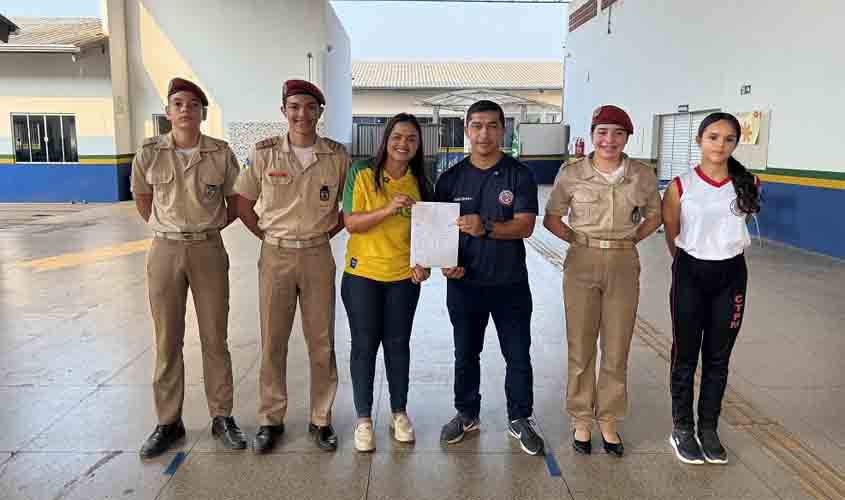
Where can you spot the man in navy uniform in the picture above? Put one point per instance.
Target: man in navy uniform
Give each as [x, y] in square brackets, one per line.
[498, 197]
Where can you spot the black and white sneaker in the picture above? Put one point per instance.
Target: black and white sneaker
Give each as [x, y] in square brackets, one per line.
[711, 446]
[686, 447]
[454, 431]
[525, 431]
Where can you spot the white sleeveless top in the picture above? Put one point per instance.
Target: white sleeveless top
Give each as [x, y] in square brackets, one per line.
[710, 228]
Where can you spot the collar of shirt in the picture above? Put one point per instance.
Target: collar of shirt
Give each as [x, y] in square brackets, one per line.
[588, 170]
[205, 144]
[320, 146]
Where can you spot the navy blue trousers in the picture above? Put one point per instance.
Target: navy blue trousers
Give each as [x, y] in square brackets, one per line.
[470, 307]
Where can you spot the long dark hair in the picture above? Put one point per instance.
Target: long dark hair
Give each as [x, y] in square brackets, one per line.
[748, 197]
[417, 163]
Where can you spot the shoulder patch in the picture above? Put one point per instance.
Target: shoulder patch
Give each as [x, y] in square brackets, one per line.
[150, 141]
[266, 143]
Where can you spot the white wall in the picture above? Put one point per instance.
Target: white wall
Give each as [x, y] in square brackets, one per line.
[240, 53]
[55, 75]
[337, 68]
[54, 83]
[663, 54]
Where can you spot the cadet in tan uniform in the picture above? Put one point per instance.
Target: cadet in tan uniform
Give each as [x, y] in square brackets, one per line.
[296, 181]
[183, 184]
[612, 203]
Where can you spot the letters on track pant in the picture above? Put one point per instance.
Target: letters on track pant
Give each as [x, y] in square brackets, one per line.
[707, 301]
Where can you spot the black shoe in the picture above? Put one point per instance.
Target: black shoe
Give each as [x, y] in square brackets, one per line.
[524, 430]
[454, 431]
[686, 447]
[162, 438]
[266, 437]
[711, 446]
[615, 449]
[582, 447]
[324, 436]
[226, 430]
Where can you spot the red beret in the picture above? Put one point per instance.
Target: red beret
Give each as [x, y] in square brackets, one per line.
[297, 87]
[182, 85]
[612, 115]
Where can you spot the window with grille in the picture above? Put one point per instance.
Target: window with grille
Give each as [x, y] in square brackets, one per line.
[678, 149]
[161, 124]
[45, 138]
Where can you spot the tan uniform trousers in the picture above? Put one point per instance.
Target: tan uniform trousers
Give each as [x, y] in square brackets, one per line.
[601, 289]
[172, 267]
[285, 274]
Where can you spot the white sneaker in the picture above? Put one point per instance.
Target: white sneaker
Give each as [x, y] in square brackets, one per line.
[403, 429]
[365, 439]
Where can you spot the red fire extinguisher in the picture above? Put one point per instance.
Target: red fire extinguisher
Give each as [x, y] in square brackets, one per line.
[579, 147]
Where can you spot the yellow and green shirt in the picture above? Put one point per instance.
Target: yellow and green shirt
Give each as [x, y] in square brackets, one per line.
[384, 252]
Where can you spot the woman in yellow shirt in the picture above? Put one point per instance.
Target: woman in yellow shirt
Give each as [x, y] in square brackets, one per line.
[380, 289]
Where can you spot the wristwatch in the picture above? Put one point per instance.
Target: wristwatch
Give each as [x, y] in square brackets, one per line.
[489, 227]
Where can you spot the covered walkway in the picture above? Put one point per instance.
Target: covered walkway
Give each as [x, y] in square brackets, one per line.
[76, 365]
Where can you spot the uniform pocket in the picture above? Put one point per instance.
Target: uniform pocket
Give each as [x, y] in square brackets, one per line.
[584, 203]
[161, 180]
[211, 183]
[329, 185]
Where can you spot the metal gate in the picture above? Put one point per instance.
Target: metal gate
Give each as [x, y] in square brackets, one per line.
[367, 138]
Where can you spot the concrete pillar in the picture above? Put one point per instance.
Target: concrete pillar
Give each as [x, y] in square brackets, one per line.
[114, 25]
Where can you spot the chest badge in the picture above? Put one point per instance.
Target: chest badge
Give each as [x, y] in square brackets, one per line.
[636, 215]
[211, 191]
[324, 193]
[506, 198]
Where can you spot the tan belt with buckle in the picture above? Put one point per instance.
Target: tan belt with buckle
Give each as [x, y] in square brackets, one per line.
[187, 236]
[297, 244]
[603, 244]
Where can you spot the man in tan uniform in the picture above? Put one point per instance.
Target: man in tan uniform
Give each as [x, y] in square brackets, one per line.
[183, 184]
[612, 203]
[297, 181]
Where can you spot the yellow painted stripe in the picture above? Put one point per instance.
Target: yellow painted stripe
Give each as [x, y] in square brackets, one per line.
[105, 161]
[83, 161]
[803, 181]
[89, 257]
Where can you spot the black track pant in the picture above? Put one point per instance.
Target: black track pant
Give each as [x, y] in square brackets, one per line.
[707, 301]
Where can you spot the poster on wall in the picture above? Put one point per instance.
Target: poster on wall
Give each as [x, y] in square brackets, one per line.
[750, 126]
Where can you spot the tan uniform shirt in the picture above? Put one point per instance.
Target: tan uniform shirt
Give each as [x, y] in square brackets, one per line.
[187, 196]
[600, 209]
[295, 201]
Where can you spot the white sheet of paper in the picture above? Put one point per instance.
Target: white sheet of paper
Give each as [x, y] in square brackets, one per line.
[434, 234]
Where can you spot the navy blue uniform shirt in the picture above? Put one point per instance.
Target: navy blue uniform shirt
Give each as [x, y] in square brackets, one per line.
[495, 194]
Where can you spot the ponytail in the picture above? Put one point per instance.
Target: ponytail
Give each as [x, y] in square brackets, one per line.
[745, 186]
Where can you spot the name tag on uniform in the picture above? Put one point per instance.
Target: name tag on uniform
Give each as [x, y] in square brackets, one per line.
[279, 176]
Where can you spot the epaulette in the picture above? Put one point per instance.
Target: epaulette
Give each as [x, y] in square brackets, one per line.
[219, 142]
[150, 141]
[266, 143]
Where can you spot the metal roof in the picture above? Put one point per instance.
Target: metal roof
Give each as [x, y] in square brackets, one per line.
[514, 75]
[54, 34]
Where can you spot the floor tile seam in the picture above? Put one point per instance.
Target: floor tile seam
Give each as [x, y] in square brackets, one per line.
[125, 366]
[808, 477]
[58, 418]
[754, 470]
[660, 343]
[245, 374]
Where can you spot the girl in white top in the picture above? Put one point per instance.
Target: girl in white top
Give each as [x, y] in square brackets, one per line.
[704, 215]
